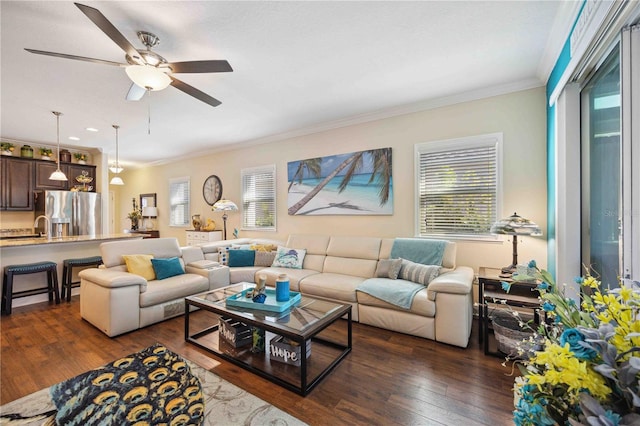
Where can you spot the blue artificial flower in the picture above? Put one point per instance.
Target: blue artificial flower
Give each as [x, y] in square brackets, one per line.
[548, 306]
[532, 264]
[579, 280]
[573, 338]
[506, 286]
[543, 286]
[614, 418]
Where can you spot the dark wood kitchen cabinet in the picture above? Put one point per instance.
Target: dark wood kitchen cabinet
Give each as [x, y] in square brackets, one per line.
[16, 189]
[43, 170]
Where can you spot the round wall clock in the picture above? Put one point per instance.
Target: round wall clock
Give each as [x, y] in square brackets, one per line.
[212, 189]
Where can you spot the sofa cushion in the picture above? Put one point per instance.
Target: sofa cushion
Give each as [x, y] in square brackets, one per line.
[421, 304]
[178, 286]
[140, 264]
[295, 275]
[331, 286]
[243, 274]
[388, 268]
[418, 273]
[112, 251]
[241, 257]
[289, 258]
[165, 268]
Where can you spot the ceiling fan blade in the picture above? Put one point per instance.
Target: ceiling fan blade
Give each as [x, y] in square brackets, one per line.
[201, 66]
[135, 92]
[107, 27]
[77, 58]
[190, 90]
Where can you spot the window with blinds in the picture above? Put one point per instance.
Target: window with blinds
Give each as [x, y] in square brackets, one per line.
[458, 186]
[259, 198]
[179, 201]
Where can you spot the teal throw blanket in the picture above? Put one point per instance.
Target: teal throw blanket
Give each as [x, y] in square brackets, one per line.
[396, 292]
[419, 250]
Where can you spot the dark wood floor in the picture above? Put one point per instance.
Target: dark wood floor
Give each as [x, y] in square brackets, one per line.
[388, 379]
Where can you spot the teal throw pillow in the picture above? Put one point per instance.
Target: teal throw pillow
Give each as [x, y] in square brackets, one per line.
[241, 257]
[165, 268]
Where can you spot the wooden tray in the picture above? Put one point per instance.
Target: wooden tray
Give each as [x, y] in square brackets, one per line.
[270, 304]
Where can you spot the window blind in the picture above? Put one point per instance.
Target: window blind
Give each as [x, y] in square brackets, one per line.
[458, 189]
[179, 201]
[259, 198]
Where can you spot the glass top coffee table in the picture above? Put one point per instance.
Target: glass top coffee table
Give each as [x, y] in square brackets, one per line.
[280, 345]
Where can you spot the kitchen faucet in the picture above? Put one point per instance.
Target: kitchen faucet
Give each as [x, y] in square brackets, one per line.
[47, 223]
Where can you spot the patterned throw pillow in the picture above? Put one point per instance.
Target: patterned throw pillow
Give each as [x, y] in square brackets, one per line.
[388, 268]
[140, 264]
[264, 258]
[263, 247]
[289, 258]
[223, 255]
[418, 273]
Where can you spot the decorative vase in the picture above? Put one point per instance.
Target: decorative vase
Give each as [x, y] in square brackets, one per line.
[26, 151]
[46, 157]
[134, 224]
[65, 156]
[82, 162]
[196, 222]
[7, 152]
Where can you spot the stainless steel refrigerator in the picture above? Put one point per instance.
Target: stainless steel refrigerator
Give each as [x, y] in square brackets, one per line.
[70, 213]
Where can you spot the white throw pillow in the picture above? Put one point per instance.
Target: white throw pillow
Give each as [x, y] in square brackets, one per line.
[289, 258]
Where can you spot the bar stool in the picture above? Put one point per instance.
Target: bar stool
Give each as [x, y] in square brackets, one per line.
[67, 272]
[29, 268]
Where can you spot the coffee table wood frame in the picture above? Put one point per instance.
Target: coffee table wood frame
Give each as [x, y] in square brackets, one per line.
[301, 337]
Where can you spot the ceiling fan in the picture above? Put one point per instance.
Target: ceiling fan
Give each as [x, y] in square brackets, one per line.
[147, 70]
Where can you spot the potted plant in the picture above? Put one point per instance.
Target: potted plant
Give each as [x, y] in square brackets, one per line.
[6, 148]
[46, 153]
[80, 158]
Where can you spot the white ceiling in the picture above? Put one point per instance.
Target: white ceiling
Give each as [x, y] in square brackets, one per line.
[298, 66]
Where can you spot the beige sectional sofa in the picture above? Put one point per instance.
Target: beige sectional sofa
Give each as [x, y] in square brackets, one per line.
[116, 301]
[335, 266]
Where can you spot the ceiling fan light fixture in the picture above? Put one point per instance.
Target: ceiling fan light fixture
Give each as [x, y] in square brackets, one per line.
[148, 76]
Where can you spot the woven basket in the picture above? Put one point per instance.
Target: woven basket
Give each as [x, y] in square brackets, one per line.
[510, 336]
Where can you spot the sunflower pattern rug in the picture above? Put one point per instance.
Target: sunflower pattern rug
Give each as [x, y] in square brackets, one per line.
[150, 387]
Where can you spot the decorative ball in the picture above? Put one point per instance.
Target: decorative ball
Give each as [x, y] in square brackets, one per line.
[260, 298]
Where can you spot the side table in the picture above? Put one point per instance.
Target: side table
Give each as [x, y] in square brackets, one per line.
[490, 292]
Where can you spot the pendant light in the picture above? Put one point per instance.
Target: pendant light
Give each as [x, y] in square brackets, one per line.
[58, 175]
[117, 180]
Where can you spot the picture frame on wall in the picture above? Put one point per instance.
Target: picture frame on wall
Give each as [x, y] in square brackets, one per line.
[355, 183]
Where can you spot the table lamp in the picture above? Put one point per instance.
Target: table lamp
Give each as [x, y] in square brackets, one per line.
[225, 206]
[515, 225]
[148, 213]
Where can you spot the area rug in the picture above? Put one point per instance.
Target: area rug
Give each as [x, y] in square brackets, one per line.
[224, 404]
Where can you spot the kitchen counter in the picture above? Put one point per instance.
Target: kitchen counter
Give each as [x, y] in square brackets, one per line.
[27, 241]
[16, 251]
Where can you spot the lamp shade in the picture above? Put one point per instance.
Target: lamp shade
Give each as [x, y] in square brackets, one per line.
[515, 225]
[116, 180]
[149, 211]
[58, 175]
[148, 77]
[226, 205]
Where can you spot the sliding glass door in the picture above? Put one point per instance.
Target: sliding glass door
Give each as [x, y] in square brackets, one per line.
[601, 172]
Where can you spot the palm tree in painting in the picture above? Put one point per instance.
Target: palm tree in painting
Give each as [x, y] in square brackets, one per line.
[312, 166]
[381, 173]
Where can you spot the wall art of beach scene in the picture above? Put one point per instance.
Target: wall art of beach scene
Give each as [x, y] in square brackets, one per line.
[357, 183]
